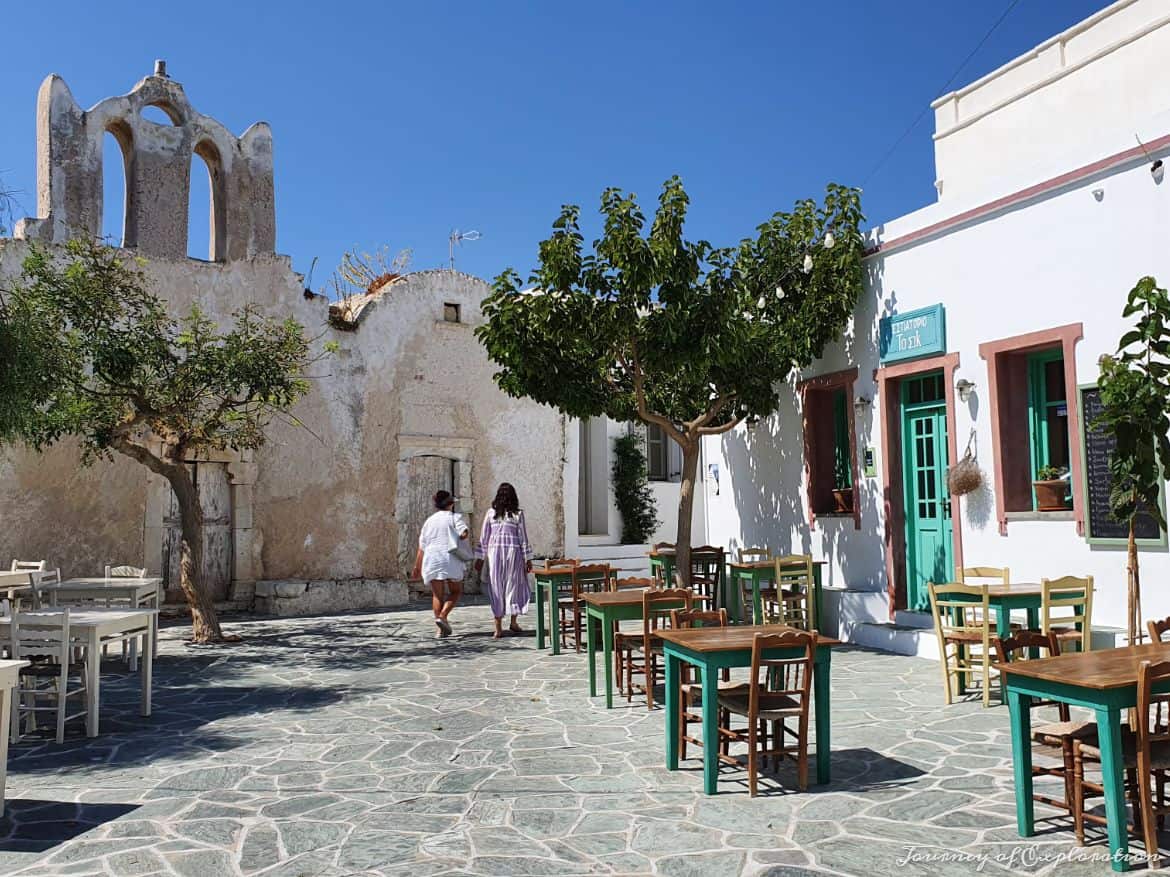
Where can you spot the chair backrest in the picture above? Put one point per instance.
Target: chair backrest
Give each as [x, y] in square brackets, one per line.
[1151, 727]
[1157, 628]
[960, 610]
[997, 575]
[706, 570]
[125, 572]
[591, 579]
[791, 677]
[794, 574]
[680, 619]
[754, 555]
[1068, 600]
[1019, 646]
[20, 565]
[662, 546]
[629, 584]
[40, 633]
[657, 605]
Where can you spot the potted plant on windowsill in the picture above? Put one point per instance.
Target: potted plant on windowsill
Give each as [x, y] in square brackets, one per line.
[1051, 488]
[843, 500]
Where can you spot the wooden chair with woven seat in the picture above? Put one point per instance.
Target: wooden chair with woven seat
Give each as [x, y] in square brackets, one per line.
[633, 583]
[707, 575]
[592, 578]
[1066, 603]
[991, 575]
[962, 624]
[640, 654]
[46, 634]
[1052, 739]
[778, 689]
[1157, 628]
[1145, 754]
[794, 579]
[690, 688]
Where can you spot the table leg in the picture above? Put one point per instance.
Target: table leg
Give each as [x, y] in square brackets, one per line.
[1019, 708]
[607, 645]
[93, 680]
[6, 696]
[147, 668]
[539, 614]
[710, 726]
[1003, 622]
[818, 593]
[1109, 739]
[823, 713]
[671, 672]
[154, 622]
[757, 600]
[591, 653]
[132, 660]
[554, 619]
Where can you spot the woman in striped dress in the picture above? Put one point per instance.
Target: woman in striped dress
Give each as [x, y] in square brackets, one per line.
[504, 542]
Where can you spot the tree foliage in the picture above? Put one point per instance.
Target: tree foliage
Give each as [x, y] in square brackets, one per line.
[631, 490]
[88, 350]
[648, 325]
[1135, 398]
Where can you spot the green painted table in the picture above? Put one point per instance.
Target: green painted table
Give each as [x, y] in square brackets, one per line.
[603, 611]
[710, 649]
[760, 571]
[547, 578]
[1105, 682]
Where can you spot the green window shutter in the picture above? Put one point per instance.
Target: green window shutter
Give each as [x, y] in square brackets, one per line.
[842, 464]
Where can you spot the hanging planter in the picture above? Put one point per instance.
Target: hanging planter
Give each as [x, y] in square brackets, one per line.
[965, 476]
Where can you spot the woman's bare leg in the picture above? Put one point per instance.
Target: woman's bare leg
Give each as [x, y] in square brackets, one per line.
[454, 592]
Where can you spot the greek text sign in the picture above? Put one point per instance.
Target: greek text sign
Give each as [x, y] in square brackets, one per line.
[913, 334]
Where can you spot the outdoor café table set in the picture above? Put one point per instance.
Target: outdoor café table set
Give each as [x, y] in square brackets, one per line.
[708, 650]
[96, 623]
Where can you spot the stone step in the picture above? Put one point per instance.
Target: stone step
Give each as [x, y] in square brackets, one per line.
[632, 560]
[909, 618]
[852, 606]
[903, 639]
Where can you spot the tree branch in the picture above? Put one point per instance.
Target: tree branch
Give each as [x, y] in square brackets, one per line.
[649, 416]
[722, 428]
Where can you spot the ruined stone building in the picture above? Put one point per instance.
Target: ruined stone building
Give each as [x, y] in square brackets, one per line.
[322, 517]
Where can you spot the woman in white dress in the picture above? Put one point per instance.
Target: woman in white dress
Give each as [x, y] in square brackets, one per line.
[436, 564]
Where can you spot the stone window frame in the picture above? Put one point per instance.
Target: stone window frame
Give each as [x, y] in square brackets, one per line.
[1004, 434]
[845, 379]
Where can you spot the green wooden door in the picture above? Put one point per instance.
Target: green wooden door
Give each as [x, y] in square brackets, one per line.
[928, 509]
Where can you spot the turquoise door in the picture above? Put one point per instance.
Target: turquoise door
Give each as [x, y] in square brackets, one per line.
[929, 530]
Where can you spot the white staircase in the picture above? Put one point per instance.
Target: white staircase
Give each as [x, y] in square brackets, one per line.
[632, 560]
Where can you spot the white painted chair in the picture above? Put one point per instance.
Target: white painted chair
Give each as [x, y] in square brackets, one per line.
[22, 565]
[129, 653]
[46, 634]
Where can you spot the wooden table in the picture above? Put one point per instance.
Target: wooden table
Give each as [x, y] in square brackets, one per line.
[547, 578]
[1105, 682]
[759, 571]
[146, 591]
[9, 671]
[710, 649]
[102, 627]
[606, 609]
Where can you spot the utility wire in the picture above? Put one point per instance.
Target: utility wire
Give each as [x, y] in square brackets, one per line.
[897, 143]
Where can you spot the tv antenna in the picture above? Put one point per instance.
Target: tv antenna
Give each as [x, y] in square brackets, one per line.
[456, 238]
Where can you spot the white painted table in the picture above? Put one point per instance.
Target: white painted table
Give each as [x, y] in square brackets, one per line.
[134, 592]
[100, 627]
[13, 584]
[9, 670]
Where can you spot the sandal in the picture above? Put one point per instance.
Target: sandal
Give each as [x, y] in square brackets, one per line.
[444, 625]
[516, 629]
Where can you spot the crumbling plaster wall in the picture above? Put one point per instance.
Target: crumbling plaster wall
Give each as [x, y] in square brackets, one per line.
[325, 493]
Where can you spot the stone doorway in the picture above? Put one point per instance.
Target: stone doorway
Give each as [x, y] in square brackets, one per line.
[215, 498]
[427, 464]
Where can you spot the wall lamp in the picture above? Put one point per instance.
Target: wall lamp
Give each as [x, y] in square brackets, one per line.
[964, 388]
[861, 403]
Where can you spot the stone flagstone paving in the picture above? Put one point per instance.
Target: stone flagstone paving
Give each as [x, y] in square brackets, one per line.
[359, 744]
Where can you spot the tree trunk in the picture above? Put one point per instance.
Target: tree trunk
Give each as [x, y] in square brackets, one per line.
[1135, 589]
[686, 502]
[204, 623]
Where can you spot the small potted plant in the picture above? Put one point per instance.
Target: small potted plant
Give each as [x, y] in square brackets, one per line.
[1051, 488]
[842, 485]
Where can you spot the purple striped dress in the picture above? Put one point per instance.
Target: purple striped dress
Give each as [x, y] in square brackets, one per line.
[504, 542]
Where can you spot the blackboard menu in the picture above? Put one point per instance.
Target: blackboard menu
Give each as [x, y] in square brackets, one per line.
[1098, 445]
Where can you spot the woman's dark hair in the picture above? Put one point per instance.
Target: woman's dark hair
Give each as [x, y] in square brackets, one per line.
[443, 500]
[506, 501]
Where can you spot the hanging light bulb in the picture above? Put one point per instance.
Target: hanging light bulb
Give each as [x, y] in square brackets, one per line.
[761, 303]
[830, 241]
[808, 263]
[779, 291]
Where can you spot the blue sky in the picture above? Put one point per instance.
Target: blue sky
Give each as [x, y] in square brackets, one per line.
[394, 123]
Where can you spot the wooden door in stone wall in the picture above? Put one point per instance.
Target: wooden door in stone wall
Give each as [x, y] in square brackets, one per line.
[215, 499]
[425, 475]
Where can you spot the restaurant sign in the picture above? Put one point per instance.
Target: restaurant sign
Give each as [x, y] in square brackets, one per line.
[913, 334]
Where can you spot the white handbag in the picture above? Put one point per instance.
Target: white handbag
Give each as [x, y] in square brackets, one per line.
[456, 546]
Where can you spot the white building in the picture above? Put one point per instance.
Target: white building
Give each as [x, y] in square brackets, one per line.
[1051, 204]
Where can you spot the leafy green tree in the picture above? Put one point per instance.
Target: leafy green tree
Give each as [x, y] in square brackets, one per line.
[693, 338]
[631, 490]
[1135, 397]
[87, 350]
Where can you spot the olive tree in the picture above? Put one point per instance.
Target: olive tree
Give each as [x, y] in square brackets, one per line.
[87, 350]
[680, 334]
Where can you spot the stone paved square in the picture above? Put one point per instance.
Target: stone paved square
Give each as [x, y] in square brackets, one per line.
[359, 744]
